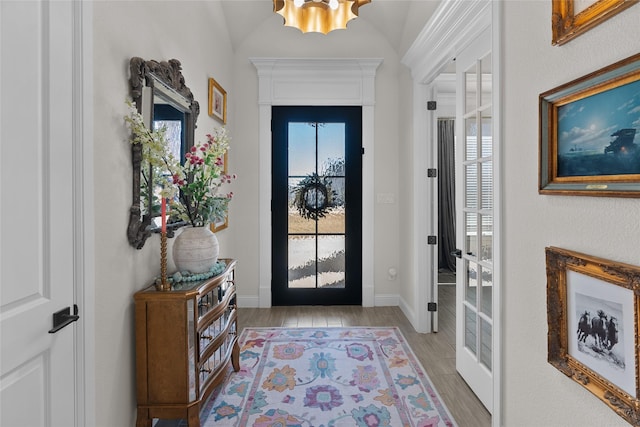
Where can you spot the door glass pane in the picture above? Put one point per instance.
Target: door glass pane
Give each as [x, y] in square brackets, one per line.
[486, 185]
[470, 86]
[471, 291]
[487, 292]
[471, 181]
[331, 261]
[486, 243]
[297, 223]
[302, 149]
[485, 68]
[471, 242]
[471, 132]
[485, 343]
[485, 134]
[334, 220]
[470, 329]
[302, 261]
[331, 149]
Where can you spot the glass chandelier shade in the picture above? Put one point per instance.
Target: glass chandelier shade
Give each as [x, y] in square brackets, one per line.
[319, 16]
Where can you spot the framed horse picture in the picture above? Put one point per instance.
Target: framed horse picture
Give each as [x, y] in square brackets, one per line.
[593, 306]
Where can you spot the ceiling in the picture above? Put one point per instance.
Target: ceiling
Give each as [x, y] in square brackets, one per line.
[399, 21]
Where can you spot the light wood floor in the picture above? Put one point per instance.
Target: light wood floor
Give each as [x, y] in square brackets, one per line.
[435, 351]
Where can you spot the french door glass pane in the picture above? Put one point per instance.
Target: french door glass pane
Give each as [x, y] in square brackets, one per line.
[485, 343]
[471, 179]
[471, 237]
[471, 132]
[470, 330]
[487, 291]
[486, 242]
[485, 137]
[486, 184]
[485, 69]
[470, 89]
[471, 289]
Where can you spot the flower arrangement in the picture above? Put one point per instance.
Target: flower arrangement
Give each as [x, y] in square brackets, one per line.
[192, 187]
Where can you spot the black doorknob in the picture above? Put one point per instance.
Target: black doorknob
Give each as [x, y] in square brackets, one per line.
[457, 253]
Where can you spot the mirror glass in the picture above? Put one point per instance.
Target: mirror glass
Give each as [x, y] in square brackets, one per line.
[162, 98]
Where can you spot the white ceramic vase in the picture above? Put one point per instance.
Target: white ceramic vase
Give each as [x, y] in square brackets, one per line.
[196, 250]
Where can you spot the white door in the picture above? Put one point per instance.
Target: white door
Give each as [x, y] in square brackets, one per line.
[474, 218]
[37, 378]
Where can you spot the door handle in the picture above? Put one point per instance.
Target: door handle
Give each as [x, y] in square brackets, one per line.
[63, 318]
[457, 253]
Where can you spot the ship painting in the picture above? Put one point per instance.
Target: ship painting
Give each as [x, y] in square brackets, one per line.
[620, 157]
[623, 142]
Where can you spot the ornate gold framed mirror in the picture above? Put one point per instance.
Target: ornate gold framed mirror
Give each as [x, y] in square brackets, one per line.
[162, 98]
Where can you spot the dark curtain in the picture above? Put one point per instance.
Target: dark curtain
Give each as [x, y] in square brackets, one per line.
[446, 195]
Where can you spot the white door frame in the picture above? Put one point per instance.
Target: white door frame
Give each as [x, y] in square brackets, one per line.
[453, 26]
[316, 81]
[83, 189]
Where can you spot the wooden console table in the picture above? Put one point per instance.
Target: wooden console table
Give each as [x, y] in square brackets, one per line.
[185, 339]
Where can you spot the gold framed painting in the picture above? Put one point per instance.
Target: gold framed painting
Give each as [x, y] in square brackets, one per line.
[589, 139]
[570, 18]
[217, 101]
[593, 307]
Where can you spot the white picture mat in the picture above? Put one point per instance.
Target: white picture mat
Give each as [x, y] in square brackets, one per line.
[581, 288]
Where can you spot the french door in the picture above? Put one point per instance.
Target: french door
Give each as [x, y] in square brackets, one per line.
[316, 205]
[474, 218]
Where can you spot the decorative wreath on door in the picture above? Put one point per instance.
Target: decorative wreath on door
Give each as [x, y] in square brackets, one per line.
[313, 197]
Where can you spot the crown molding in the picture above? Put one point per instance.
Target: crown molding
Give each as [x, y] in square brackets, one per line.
[454, 24]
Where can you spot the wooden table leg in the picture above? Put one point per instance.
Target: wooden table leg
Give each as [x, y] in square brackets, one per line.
[193, 416]
[235, 356]
[143, 419]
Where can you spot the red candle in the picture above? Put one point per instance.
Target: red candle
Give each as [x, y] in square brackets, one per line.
[164, 215]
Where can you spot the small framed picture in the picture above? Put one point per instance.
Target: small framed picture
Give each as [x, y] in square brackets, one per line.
[217, 101]
[589, 134]
[592, 311]
[220, 225]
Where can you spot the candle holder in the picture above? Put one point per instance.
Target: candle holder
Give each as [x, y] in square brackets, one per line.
[163, 284]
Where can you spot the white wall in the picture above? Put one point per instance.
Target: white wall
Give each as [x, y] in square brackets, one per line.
[535, 393]
[194, 33]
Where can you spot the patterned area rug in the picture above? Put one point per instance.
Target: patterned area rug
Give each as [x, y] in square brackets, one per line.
[324, 377]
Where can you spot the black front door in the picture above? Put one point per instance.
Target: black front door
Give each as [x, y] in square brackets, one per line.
[317, 205]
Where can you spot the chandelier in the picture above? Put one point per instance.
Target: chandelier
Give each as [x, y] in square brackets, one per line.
[319, 16]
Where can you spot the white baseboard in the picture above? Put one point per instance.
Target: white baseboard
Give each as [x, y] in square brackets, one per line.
[386, 300]
[408, 312]
[248, 301]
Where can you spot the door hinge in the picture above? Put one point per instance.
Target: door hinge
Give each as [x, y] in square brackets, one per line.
[432, 306]
[431, 105]
[432, 173]
[432, 240]
[362, 151]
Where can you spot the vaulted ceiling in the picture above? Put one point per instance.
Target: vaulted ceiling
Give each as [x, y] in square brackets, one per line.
[400, 21]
